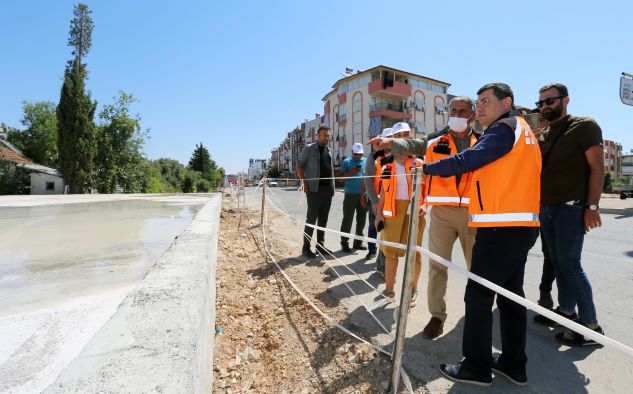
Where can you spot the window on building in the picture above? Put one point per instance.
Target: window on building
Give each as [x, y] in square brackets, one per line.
[50, 186]
[356, 106]
[438, 88]
[357, 131]
[358, 83]
[417, 83]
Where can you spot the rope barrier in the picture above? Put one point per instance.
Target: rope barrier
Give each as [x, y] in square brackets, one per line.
[403, 374]
[367, 308]
[336, 177]
[602, 339]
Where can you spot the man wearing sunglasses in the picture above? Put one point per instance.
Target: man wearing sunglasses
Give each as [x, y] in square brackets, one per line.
[572, 177]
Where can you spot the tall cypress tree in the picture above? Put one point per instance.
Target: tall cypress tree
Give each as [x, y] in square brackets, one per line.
[201, 161]
[76, 110]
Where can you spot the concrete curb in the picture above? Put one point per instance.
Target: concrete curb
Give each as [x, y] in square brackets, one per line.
[161, 337]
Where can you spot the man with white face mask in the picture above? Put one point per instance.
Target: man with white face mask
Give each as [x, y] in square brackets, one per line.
[449, 199]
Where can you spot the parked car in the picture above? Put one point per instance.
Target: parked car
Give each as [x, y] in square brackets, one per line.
[625, 191]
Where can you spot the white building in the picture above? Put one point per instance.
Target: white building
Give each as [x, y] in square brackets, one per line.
[44, 180]
[360, 105]
[255, 168]
[310, 128]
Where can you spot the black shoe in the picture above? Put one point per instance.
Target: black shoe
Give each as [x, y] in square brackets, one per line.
[370, 255]
[308, 253]
[545, 300]
[360, 247]
[572, 338]
[458, 373]
[544, 321]
[345, 248]
[518, 378]
[324, 251]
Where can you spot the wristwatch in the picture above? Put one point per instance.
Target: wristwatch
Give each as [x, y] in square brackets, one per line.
[592, 207]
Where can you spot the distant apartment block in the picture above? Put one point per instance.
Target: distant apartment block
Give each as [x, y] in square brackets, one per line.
[627, 164]
[613, 158]
[274, 158]
[360, 105]
[255, 167]
[310, 128]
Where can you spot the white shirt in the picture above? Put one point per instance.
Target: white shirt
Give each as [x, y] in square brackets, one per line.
[402, 188]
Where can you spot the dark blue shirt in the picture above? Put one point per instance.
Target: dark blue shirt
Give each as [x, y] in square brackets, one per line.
[495, 142]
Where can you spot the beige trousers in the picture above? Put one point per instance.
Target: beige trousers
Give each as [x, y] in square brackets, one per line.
[447, 225]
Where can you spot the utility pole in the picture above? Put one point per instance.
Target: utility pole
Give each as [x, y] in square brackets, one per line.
[261, 220]
[407, 282]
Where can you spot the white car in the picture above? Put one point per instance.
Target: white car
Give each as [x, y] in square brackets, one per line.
[272, 183]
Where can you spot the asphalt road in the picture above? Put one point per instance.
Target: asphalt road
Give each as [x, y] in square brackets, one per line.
[607, 260]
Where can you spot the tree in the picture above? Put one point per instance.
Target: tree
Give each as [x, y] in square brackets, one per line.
[13, 179]
[75, 111]
[80, 35]
[201, 161]
[607, 184]
[189, 181]
[15, 136]
[273, 172]
[171, 172]
[119, 160]
[207, 168]
[38, 141]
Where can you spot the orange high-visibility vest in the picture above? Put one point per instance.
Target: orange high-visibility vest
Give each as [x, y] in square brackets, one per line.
[377, 174]
[444, 190]
[389, 185]
[507, 191]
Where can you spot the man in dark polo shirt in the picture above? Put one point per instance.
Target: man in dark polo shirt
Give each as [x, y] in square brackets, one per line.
[314, 167]
[571, 185]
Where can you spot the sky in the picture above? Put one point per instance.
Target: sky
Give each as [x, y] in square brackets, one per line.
[237, 76]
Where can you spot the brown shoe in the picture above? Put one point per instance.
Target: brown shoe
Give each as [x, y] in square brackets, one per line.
[433, 328]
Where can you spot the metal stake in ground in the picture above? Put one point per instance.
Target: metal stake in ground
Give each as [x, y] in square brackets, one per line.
[264, 180]
[407, 280]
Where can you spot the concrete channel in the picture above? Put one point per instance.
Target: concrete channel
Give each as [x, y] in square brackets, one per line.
[107, 293]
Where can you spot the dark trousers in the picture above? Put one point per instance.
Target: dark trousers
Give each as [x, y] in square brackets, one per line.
[549, 274]
[318, 210]
[499, 255]
[351, 205]
[371, 229]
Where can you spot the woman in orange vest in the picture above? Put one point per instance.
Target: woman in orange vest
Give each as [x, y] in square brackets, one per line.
[395, 195]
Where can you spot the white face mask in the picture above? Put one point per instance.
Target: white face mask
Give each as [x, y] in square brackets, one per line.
[457, 124]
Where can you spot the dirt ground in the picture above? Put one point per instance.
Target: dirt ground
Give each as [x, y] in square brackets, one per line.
[268, 338]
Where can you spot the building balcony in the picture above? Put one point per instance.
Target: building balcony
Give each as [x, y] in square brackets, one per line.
[390, 86]
[342, 98]
[341, 119]
[389, 110]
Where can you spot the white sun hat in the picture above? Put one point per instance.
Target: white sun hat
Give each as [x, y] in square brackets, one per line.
[400, 127]
[357, 148]
[388, 132]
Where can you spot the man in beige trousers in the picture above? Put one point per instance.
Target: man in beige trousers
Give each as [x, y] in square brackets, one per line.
[449, 199]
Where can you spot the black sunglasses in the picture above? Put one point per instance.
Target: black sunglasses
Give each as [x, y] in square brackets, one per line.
[548, 101]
